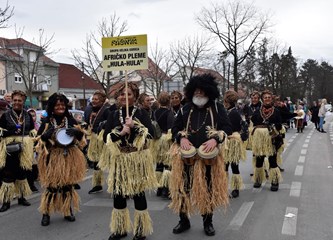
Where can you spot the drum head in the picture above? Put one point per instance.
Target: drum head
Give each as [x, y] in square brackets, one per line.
[63, 138]
[207, 155]
[188, 153]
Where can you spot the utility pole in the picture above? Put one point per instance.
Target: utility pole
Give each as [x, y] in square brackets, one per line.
[84, 87]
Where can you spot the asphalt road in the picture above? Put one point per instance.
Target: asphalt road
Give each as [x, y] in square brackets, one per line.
[302, 209]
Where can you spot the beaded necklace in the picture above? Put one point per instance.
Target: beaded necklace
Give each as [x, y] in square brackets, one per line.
[64, 123]
[121, 118]
[266, 113]
[202, 124]
[19, 119]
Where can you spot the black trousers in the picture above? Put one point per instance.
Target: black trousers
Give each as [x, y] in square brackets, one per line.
[188, 171]
[140, 201]
[234, 168]
[272, 161]
[12, 170]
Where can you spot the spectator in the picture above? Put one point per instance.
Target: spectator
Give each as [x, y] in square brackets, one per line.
[321, 115]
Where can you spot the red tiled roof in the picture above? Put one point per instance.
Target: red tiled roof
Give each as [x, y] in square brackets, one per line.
[8, 53]
[48, 60]
[71, 77]
[153, 71]
[16, 42]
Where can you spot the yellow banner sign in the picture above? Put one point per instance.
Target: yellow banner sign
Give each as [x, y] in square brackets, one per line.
[125, 53]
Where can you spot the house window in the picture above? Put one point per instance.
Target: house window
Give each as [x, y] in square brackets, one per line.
[121, 73]
[48, 80]
[32, 56]
[34, 79]
[18, 78]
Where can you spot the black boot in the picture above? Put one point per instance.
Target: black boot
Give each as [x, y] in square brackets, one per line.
[274, 187]
[117, 236]
[139, 237]
[165, 193]
[45, 220]
[31, 181]
[208, 225]
[23, 201]
[96, 189]
[235, 193]
[183, 225]
[5, 207]
[71, 217]
[139, 234]
[159, 192]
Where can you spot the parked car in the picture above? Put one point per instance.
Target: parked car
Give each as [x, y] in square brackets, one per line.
[77, 114]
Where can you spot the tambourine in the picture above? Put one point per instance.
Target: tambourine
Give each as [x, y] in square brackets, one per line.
[188, 156]
[208, 157]
[63, 138]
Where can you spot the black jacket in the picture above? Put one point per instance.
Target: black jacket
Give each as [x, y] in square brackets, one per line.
[197, 130]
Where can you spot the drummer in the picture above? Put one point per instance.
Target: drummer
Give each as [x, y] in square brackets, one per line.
[61, 163]
[201, 121]
[266, 141]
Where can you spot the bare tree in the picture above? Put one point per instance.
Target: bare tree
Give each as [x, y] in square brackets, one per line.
[238, 27]
[5, 14]
[30, 60]
[189, 54]
[159, 70]
[90, 55]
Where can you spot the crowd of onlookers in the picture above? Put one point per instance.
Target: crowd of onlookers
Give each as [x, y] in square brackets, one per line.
[314, 113]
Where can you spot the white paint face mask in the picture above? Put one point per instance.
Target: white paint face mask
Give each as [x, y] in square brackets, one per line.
[200, 101]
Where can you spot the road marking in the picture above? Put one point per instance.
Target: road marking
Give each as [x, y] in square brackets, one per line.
[301, 159]
[289, 223]
[303, 151]
[308, 137]
[299, 170]
[295, 189]
[240, 216]
[305, 145]
[307, 140]
[258, 190]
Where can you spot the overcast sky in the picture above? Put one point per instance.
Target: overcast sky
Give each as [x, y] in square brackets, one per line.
[305, 25]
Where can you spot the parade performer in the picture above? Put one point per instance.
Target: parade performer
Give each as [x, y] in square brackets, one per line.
[254, 105]
[61, 162]
[98, 114]
[165, 118]
[32, 175]
[266, 140]
[248, 111]
[286, 115]
[176, 98]
[16, 152]
[235, 151]
[198, 181]
[130, 164]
